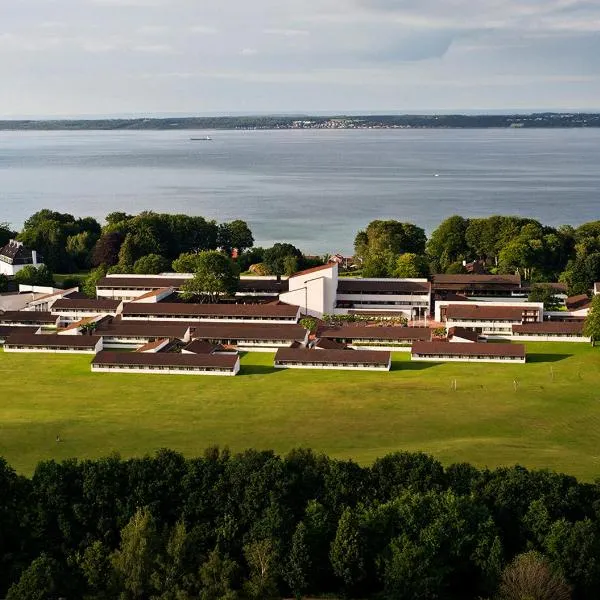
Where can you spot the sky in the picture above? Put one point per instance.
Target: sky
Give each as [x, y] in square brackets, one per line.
[136, 57]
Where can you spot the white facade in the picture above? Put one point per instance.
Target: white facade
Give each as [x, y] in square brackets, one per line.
[54, 350]
[10, 267]
[158, 370]
[549, 338]
[487, 359]
[314, 290]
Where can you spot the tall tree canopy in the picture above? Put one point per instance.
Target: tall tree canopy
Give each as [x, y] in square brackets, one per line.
[216, 275]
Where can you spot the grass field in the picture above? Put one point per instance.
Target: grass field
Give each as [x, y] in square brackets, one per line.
[552, 420]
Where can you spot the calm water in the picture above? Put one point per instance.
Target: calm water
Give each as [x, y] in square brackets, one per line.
[312, 188]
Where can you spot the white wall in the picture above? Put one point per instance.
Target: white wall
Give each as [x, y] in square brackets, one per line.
[333, 368]
[550, 338]
[461, 359]
[315, 292]
[236, 370]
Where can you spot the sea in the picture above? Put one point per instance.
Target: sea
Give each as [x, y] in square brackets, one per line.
[312, 188]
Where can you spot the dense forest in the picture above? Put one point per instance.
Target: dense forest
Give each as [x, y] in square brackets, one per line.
[151, 242]
[535, 120]
[256, 525]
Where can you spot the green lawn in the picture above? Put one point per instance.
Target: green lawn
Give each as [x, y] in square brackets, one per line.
[552, 420]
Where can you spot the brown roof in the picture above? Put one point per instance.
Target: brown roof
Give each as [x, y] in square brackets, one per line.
[351, 285]
[86, 304]
[7, 330]
[201, 347]
[262, 286]
[551, 328]
[314, 270]
[249, 331]
[28, 316]
[468, 349]
[578, 302]
[373, 357]
[355, 332]
[152, 345]
[53, 340]
[266, 311]
[165, 359]
[476, 282]
[154, 293]
[482, 312]
[142, 329]
[462, 332]
[329, 344]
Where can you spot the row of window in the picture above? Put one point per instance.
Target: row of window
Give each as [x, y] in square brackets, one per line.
[160, 317]
[468, 356]
[162, 368]
[328, 364]
[64, 348]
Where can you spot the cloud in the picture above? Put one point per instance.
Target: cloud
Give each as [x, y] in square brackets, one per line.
[288, 32]
[204, 30]
[154, 49]
[297, 54]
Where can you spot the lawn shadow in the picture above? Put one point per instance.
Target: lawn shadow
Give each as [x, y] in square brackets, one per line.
[402, 365]
[258, 370]
[546, 358]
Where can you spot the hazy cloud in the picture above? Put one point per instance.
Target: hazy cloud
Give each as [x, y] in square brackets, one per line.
[123, 56]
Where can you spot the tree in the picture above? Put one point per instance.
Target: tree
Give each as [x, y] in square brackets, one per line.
[378, 264]
[278, 258]
[544, 293]
[299, 562]
[40, 581]
[106, 249]
[6, 234]
[97, 570]
[186, 263]
[30, 275]
[79, 249]
[89, 284]
[447, 243]
[592, 323]
[3, 283]
[530, 576]
[262, 560]
[390, 236]
[134, 560]
[409, 265]
[347, 550]
[218, 576]
[152, 264]
[216, 275]
[235, 234]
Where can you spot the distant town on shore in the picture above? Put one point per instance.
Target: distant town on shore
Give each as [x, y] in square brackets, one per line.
[456, 121]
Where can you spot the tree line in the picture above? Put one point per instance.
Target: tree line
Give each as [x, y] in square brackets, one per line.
[258, 526]
[499, 244]
[145, 243]
[152, 243]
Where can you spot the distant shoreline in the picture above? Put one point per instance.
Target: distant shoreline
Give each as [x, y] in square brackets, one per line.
[516, 121]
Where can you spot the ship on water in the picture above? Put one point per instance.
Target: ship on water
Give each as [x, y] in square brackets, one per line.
[205, 138]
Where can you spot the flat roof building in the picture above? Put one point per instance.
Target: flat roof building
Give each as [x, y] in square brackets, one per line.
[166, 363]
[551, 331]
[467, 352]
[477, 285]
[354, 360]
[53, 343]
[180, 311]
[28, 318]
[251, 336]
[361, 336]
